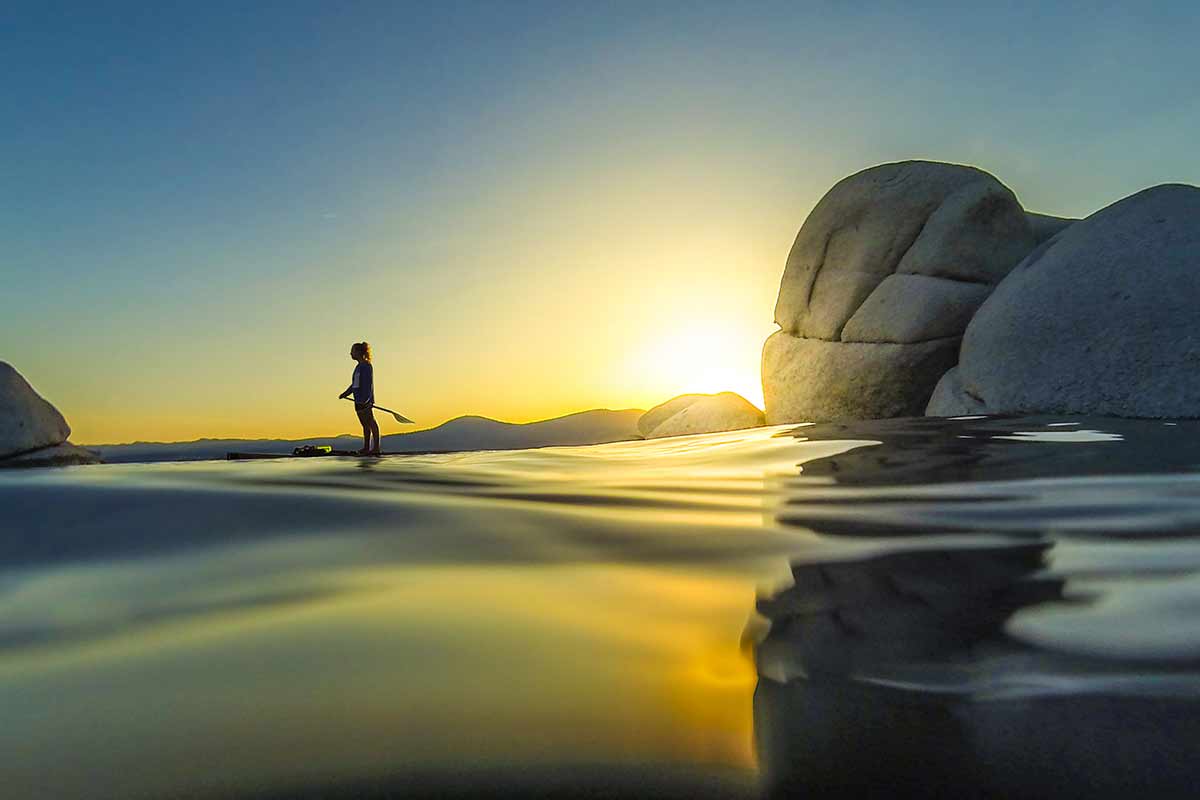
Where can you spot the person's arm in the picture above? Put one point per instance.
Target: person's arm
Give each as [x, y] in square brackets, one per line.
[350, 389]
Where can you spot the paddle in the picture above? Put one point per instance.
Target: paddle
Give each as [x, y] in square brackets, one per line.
[403, 420]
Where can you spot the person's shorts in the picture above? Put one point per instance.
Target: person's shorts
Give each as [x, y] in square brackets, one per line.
[366, 414]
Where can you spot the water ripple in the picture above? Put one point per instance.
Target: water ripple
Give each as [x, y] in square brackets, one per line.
[952, 594]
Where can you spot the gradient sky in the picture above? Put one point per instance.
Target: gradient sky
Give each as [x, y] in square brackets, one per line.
[527, 209]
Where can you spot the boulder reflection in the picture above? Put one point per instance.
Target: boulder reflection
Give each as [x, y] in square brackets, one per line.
[857, 618]
[890, 665]
[929, 450]
[861, 670]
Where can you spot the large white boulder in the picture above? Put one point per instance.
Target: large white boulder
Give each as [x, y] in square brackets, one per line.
[1100, 319]
[816, 380]
[880, 283]
[27, 421]
[700, 413]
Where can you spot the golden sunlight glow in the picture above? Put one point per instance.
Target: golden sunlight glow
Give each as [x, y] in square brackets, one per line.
[705, 358]
[589, 301]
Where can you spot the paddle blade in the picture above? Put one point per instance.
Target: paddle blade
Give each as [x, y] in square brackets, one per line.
[402, 420]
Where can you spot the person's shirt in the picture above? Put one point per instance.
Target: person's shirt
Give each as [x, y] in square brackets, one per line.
[364, 383]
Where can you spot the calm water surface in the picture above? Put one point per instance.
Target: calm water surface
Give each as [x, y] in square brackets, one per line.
[971, 607]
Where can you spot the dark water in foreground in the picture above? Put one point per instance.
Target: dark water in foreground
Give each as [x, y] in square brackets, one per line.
[974, 607]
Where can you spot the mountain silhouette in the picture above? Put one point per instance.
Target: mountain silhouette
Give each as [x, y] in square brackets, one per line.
[460, 434]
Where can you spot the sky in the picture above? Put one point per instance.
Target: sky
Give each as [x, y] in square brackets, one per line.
[528, 209]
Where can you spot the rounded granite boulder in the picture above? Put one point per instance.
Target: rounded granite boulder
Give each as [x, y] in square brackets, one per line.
[1100, 319]
[664, 411]
[881, 281]
[27, 421]
[32, 432]
[700, 413]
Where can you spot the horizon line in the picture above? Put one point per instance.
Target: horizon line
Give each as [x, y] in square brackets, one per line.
[357, 435]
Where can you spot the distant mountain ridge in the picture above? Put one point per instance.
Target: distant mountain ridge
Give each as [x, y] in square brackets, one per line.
[457, 435]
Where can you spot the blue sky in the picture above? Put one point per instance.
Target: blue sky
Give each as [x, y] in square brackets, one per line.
[520, 205]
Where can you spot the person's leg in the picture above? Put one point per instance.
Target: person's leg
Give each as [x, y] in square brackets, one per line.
[373, 429]
[365, 418]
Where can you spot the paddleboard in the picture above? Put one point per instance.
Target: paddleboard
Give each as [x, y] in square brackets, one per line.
[340, 453]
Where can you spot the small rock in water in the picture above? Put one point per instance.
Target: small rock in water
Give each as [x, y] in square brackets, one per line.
[27, 421]
[664, 411]
[32, 431]
[700, 413]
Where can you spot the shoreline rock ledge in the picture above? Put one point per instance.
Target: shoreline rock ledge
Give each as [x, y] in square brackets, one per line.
[32, 432]
[882, 280]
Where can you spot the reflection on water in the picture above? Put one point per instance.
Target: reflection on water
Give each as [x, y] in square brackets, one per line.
[928, 450]
[546, 622]
[973, 607]
[1057, 661]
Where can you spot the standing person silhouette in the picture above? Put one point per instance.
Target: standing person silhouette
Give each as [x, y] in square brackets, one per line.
[362, 386]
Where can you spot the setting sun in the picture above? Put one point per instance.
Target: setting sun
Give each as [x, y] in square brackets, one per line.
[705, 358]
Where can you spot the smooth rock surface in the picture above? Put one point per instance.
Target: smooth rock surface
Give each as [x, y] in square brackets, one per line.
[1101, 319]
[705, 413]
[918, 217]
[951, 399]
[59, 455]
[895, 257]
[905, 309]
[815, 380]
[27, 421]
[664, 411]
[1045, 226]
